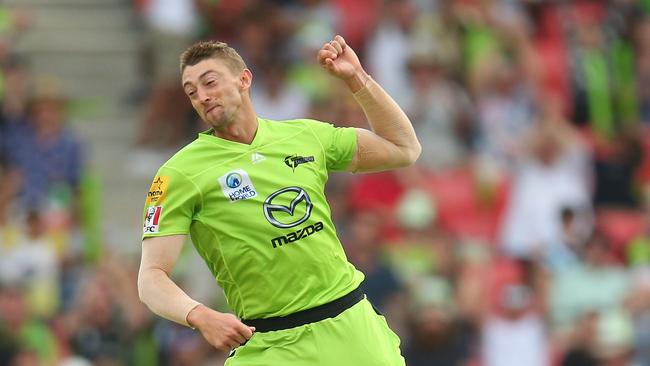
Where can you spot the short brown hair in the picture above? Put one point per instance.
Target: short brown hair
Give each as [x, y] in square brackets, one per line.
[212, 49]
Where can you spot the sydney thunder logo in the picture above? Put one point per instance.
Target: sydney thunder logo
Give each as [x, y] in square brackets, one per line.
[293, 161]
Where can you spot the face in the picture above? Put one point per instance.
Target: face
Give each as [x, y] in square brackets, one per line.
[215, 91]
[48, 116]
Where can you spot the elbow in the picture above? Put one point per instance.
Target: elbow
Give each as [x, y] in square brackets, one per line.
[146, 297]
[411, 155]
[415, 153]
[142, 289]
[141, 293]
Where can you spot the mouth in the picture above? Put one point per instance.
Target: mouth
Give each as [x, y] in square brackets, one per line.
[211, 108]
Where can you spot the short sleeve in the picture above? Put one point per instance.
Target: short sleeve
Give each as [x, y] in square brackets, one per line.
[170, 205]
[339, 144]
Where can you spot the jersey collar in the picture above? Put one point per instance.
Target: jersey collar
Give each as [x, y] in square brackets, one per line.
[257, 140]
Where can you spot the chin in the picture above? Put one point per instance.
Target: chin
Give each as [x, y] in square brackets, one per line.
[217, 125]
[211, 121]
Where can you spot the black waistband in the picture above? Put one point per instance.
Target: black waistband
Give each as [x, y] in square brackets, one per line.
[329, 310]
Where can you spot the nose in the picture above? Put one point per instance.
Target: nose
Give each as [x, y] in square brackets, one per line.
[203, 96]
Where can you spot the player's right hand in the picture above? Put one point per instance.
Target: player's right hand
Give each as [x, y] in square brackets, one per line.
[222, 330]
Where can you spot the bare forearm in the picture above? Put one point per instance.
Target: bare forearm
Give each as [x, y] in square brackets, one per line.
[163, 296]
[388, 120]
[393, 143]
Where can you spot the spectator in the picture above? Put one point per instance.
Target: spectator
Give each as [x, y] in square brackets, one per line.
[363, 245]
[501, 75]
[602, 69]
[12, 125]
[519, 325]
[439, 108]
[582, 347]
[274, 97]
[48, 158]
[181, 346]
[615, 168]
[553, 176]
[598, 283]
[437, 337]
[305, 71]
[256, 34]
[32, 263]
[106, 315]
[382, 286]
[27, 334]
[15, 94]
[358, 19]
[171, 27]
[388, 47]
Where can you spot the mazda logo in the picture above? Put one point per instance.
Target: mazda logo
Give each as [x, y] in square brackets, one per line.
[295, 195]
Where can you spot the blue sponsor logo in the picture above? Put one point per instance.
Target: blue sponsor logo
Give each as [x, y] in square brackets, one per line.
[233, 180]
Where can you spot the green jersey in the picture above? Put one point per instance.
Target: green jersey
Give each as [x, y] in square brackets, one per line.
[258, 216]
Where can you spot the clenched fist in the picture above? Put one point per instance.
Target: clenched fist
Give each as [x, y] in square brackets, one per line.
[222, 330]
[340, 60]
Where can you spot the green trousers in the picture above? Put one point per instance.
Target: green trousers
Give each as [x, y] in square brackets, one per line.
[356, 337]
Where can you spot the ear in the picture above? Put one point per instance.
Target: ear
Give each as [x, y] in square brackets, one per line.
[245, 79]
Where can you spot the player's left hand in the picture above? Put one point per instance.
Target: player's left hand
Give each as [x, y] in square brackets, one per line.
[339, 59]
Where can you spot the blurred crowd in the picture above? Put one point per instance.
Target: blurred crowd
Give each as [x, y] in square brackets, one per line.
[521, 236]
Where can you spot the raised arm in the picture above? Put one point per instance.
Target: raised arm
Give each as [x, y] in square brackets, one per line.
[157, 290]
[392, 143]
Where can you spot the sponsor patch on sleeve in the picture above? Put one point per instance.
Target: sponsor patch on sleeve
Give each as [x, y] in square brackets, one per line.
[157, 191]
[152, 219]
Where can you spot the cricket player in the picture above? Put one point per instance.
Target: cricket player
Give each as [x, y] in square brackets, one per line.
[250, 193]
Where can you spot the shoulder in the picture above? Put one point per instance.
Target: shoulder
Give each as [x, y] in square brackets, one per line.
[296, 123]
[302, 126]
[184, 160]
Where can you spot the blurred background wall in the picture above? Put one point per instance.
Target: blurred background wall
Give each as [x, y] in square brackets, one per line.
[521, 236]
